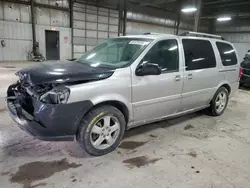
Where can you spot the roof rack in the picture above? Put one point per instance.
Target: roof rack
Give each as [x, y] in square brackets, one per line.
[150, 33]
[196, 34]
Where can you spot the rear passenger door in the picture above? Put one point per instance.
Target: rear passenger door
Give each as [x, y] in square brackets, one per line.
[200, 74]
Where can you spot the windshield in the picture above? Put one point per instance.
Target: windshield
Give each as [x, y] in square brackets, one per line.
[114, 53]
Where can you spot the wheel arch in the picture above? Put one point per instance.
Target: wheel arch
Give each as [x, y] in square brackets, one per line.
[117, 104]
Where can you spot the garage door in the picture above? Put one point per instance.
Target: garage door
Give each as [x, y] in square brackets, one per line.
[91, 26]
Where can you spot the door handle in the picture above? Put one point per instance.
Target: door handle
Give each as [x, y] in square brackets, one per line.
[189, 76]
[177, 78]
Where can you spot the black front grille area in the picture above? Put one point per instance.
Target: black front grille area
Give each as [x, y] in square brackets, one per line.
[25, 101]
[22, 97]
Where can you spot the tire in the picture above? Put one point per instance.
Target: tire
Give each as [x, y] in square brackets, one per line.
[96, 121]
[214, 109]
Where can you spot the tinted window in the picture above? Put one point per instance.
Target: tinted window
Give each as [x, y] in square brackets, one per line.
[199, 54]
[227, 54]
[164, 53]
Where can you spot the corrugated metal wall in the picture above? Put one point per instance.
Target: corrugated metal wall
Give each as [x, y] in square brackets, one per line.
[15, 29]
[238, 34]
[92, 25]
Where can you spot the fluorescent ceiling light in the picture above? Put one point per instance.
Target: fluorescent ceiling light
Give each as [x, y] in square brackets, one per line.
[189, 9]
[223, 19]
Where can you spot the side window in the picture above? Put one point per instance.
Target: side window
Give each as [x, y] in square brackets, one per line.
[164, 53]
[227, 54]
[199, 54]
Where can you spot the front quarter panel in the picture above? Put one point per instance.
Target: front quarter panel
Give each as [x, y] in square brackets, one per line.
[115, 88]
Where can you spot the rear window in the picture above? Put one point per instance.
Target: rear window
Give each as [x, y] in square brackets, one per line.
[199, 54]
[227, 54]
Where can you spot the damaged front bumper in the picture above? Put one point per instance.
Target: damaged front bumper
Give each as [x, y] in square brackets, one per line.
[48, 122]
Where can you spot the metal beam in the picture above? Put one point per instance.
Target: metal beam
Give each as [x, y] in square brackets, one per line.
[33, 27]
[71, 4]
[156, 2]
[38, 5]
[233, 4]
[218, 2]
[124, 18]
[120, 18]
[178, 18]
[197, 15]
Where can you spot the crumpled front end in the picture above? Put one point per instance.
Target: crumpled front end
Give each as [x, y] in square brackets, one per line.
[30, 107]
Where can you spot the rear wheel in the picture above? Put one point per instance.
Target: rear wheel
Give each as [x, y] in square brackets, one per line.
[101, 130]
[219, 102]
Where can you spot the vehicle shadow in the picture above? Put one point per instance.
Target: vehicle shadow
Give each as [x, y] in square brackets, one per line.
[246, 88]
[23, 145]
[143, 129]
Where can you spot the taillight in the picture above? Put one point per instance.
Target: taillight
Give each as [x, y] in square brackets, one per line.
[240, 72]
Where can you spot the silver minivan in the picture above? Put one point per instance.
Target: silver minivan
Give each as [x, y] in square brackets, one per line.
[123, 83]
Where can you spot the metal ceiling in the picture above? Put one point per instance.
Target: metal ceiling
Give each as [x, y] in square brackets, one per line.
[210, 8]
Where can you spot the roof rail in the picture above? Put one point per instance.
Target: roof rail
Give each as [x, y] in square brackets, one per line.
[150, 33]
[196, 34]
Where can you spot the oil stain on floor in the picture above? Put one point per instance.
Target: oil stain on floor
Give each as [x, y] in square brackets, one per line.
[140, 161]
[39, 170]
[131, 144]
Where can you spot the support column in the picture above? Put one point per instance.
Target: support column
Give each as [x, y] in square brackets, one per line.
[33, 27]
[197, 15]
[124, 18]
[120, 18]
[72, 28]
[177, 21]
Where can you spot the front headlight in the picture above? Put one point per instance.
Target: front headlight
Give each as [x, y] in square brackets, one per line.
[58, 95]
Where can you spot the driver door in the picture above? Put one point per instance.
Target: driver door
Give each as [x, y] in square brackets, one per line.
[156, 96]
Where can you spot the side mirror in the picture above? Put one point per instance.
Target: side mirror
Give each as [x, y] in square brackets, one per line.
[148, 69]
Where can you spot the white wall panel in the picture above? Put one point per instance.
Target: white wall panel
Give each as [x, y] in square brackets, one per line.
[99, 26]
[43, 16]
[140, 28]
[91, 34]
[113, 21]
[242, 49]
[79, 24]
[103, 19]
[103, 27]
[25, 14]
[79, 16]
[56, 17]
[91, 26]
[15, 30]
[101, 13]
[11, 11]
[79, 49]
[113, 28]
[79, 33]
[91, 18]
[112, 35]
[16, 50]
[102, 34]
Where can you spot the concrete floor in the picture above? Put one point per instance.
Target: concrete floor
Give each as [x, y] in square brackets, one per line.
[194, 151]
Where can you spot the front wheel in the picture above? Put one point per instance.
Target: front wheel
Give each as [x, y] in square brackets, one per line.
[101, 130]
[219, 102]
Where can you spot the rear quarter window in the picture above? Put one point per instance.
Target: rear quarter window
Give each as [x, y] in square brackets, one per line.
[227, 54]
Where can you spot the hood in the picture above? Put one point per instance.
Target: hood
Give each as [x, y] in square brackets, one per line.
[62, 72]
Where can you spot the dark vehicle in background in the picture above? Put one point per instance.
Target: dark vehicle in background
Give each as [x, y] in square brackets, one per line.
[245, 66]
